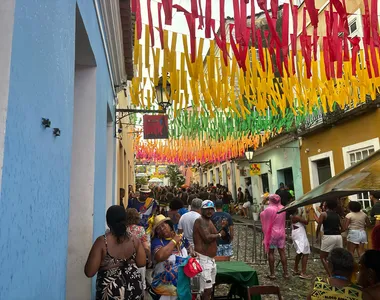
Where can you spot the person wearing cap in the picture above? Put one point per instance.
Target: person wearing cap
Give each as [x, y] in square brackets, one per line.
[186, 222]
[145, 205]
[205, 236]
[169, 250]
[223, 222]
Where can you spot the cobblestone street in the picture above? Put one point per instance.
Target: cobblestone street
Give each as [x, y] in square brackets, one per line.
[249, 243]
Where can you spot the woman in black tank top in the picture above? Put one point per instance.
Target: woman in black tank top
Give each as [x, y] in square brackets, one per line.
[331, 224]
[332, 231]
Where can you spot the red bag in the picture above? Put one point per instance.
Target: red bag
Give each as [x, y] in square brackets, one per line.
[192, 268]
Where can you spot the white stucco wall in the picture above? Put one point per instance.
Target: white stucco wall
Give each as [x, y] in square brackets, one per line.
[6, 33]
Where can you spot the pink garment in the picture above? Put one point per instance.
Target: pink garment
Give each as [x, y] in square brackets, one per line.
[273, 226]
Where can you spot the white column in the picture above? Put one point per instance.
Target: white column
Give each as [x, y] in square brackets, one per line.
[82, 183]
[7, 8]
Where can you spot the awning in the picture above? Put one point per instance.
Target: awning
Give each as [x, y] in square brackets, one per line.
[361, 177]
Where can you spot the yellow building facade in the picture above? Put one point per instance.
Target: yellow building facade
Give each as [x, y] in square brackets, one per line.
[125, 159]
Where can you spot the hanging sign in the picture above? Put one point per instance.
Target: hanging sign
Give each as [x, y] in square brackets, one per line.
[254, 169]
[155, 127]
[228, 173]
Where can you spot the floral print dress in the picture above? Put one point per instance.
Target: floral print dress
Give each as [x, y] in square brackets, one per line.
[118, 279]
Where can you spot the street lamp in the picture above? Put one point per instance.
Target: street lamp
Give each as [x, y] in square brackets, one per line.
[163, 94]
[249, 153]
[163, 100]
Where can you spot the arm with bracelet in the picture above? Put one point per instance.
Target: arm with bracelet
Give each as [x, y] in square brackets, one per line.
[163, 253]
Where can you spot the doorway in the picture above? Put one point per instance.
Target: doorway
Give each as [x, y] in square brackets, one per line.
[286, 176]
[265, 182]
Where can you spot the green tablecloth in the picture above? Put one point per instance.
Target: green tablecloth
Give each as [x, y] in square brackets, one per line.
[236, 272]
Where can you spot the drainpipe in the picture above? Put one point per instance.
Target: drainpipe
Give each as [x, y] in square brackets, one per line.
[105, 47]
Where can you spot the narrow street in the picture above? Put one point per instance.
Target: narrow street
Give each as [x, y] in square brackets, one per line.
[187, 149]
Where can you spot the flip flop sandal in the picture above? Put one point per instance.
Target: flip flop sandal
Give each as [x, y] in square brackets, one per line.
[271, 277]
[307, 277]
[294, 273]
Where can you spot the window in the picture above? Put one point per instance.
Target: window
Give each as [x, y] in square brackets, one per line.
[323, 169]
[354, 157]
[353, 27]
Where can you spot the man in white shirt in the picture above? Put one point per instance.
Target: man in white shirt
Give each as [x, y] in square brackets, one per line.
[186, 223]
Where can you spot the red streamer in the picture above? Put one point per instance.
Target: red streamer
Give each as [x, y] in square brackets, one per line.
[243, 24]
[366, 24]
[306, 45]
[191, 24]
[253, 27]
[220, 43]
[294, 35]
[201, 13]
[208, 20]
[326, 57]
[150, 19]
[355, 50]
[222, 21]
[181, 9]
[244, 49]
[238, 34]
[274, 8]
[168, 4]
[262, 4]
[194, 8]
[374, 59]
[260, 48]
[313, 12]
[374, 23]
[138, 18]
[285, 35]
[233, 45]
[161, 31]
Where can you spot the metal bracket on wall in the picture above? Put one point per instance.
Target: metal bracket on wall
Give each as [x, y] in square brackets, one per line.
[267, 162]
[129, 111]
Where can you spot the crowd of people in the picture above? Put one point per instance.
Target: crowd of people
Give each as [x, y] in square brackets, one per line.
[151, 242]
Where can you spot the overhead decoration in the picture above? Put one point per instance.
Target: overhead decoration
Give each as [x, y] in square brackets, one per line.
[252, 80]
[247, 74]
[189, 151]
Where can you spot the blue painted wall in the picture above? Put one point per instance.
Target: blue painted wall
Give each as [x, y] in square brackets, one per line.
[35, 195]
